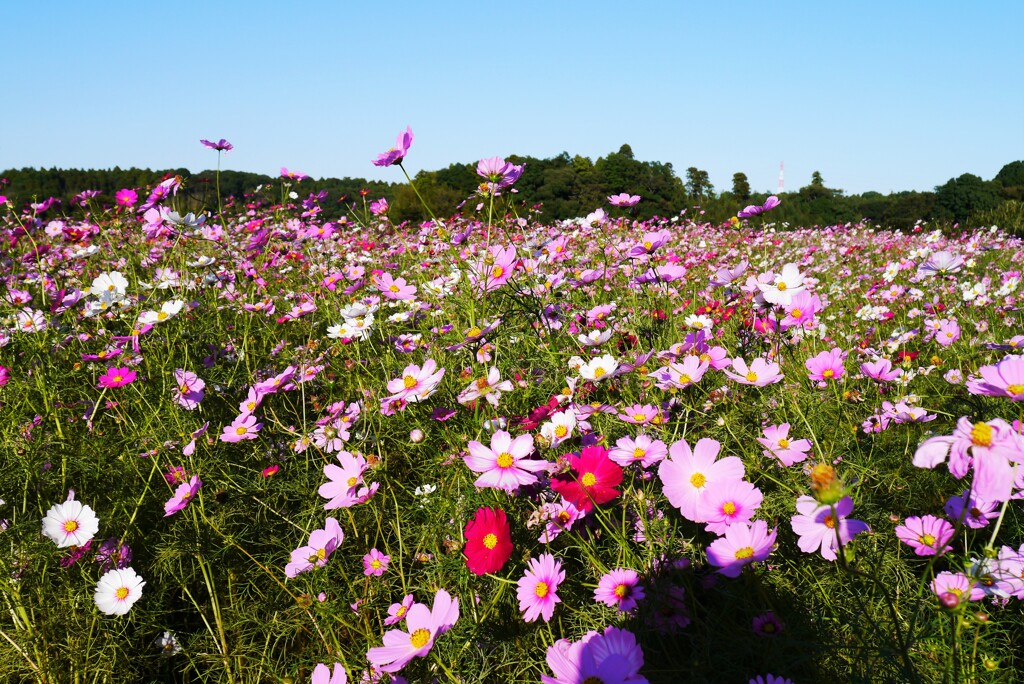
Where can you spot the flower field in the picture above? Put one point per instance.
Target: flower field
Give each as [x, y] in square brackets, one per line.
[284, 439]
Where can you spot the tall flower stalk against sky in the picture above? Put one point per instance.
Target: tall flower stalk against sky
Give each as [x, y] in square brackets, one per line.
[221, 146]
[395, 156]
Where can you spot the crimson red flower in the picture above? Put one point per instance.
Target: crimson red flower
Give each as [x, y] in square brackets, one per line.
[488, 541]
[592, 480]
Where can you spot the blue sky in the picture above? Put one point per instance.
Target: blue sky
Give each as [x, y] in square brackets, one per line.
[880, 96]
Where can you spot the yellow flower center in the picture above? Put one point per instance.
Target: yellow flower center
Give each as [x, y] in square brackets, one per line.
[927, 539]
[781, 287]
[729, 508]
[409, 382]
[828, 373]
[698, 480]
[541, 589]
[648, 244]
[121, 593]
[796, 313]
[497, 272]
[622, 591]
[375, 564]
[638, 453]
[639, 417]
[685, 379]
[351, 482]
[118, 378]
[1015, 390]
[588, 480]
[561, 431]
[751, 376]
[599, 372]
[240, 430]
[162, 316]
[981, 434]
[490, 540]
[481, 384]
[744, 553]
[419, 638]
[830, 522]
[505, 460]
[401, 611]
[70, 526]
[394, 288]
[784, 443]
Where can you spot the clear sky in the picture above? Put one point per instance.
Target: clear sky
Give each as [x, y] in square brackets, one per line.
[877, 95]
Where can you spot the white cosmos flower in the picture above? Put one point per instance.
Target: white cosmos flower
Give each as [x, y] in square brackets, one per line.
[71, 523]
[786, 284]
[168, 311]
[599, 368]
[112, 282]
[118, 590]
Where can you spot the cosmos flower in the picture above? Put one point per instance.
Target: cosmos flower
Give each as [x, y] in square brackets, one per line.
[641, 449]
[242, 427]
[505, 464]
[488, 541]
[424, 625]
[778, 445]
[686, 474]
[927, 535]
[623, 199]
[71, 523]
[375, 563]
[322, 543]
[396, 154]
[759, 373]
[182, 496]
[742, 544]
[613, 657]
[1004, 379]
[118, 590]
[499, 173]
[221, 145]
[728, 502]
[826, 366]
[536, 588]
[592, 478]
[821, 530]
[619, 588]
[755, 210]
[116, 377]
[398, 611]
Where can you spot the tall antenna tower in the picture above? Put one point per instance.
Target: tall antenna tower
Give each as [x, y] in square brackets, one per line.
[782, 181]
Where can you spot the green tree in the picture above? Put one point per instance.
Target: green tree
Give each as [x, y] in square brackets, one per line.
[740, 186]
[698, 183]
[959, 197]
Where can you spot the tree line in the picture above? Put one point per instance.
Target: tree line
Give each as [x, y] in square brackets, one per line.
[564, 187]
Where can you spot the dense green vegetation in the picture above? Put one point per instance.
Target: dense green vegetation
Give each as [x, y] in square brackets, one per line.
[569, 186]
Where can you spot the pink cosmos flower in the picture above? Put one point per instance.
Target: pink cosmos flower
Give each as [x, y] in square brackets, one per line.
[394, 288]
[801, 310]
[505, 464]
[818, 528]
[494, 269]
[741, 545]
[619, 588]
[928, 535]
[641, 449]
[623, 199]
[343, 489]
[682, 374]
[398, 611]
[397, 153]
[424, 625]
[759, 373]
[778, 445]
[244, 426]
[116, 377]
[1005, 379]
[416, 383]
[974, 512]
[499, 173]
[958, 586]
[323, 675]
[322, 543]
[189, 389]
[182, 496]
[489, 387]
[686, 474]
[639, 414]
[728, 502]
[880, 370]
[991, 448]
[375, 563]
[331, 437]
[221, 145]
[126, 198]
[613, 657]
[948, 333]
[826, 366]
[755, 210]
[558, 517]
[536, 593]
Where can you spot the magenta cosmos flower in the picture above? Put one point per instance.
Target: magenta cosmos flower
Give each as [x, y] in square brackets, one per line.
[116, 377]
[820, 530]
[623, 199]
[499, 173]
[182, 496]
[880, 370]
[619, 588]
[126, 198]
[759, 373]
[959, 586]
[537, 597]
[505, 464]
[322, 543]
[927, 535]
[754, 210]
[344, 488]
[592, 480]
[686, 474]
[244, 426]
[826, 366]
[221, 145]
[612, 658]
[397, 153]
[424, 625]
[375, 563]
[394, 288]
[741, 545]
[1005, 379]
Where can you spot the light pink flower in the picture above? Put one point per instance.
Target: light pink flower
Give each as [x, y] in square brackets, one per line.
[759, 373]
[244, 426]
[505, 464]
[424, 625]
[536, 588]
[686, 474]
[778, 445]
[182, 496]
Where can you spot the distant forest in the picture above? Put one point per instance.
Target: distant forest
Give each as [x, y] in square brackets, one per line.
[565, 187]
